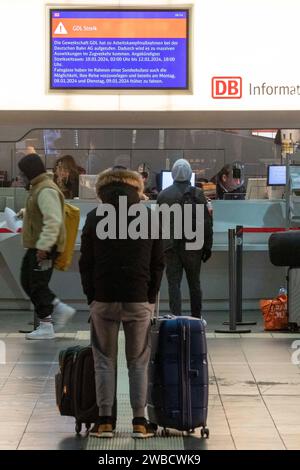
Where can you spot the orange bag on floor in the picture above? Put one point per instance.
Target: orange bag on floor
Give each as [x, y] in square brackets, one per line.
[275, 313]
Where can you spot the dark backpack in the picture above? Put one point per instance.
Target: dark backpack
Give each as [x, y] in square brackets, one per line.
[189, 197]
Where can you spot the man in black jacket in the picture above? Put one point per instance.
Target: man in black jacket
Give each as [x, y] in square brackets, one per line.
[121, 278]
[177, 257]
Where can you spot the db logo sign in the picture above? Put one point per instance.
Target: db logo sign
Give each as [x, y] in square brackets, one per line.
[226, 88]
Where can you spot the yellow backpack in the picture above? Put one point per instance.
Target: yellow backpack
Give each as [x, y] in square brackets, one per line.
[72, 218]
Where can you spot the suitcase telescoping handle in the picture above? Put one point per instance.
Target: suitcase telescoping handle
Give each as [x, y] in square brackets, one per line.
[156, 316]
[157, 300]
[156, 309]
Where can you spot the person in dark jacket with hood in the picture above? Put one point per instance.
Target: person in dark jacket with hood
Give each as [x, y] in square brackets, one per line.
[121, 278]
[177, 257]
[43, 235]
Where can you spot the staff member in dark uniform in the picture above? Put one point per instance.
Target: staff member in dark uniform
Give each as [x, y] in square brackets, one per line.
[228, 181]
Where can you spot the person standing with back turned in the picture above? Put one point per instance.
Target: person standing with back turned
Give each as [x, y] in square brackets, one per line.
[121, 278]
[177, 258]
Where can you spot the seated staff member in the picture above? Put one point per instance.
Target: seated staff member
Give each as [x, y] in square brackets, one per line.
[228, 180]
[66, 176]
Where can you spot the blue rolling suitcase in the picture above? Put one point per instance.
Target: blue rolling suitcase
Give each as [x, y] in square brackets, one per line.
[178, 374]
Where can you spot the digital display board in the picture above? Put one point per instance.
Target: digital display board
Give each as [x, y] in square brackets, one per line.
[119, 49]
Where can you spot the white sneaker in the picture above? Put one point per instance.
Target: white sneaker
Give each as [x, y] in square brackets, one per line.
[44, 331]
[62, 313]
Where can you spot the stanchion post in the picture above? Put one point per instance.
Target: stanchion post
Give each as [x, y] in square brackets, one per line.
[239, 279]
[239, 273]
[232, 284]
[232, 279]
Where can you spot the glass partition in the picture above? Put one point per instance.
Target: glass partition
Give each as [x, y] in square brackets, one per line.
[151, 150]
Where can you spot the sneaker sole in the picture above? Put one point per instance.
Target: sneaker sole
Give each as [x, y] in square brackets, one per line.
[138, 435]
[108, 435]
[36, 339]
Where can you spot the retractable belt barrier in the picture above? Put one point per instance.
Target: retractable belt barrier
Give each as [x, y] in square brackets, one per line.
[266, 229]
[240, 230]
[235, 271]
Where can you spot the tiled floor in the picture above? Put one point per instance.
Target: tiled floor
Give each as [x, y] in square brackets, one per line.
[254, 398]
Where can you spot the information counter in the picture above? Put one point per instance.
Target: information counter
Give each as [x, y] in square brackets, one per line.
[260, 278]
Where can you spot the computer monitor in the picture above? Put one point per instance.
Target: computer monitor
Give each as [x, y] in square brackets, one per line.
[167, 180]
[256, 188]
[276, 175]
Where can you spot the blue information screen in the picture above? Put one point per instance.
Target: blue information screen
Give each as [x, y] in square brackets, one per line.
[119, 49]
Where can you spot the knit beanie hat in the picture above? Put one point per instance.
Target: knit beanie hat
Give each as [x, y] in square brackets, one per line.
[181, 170]
[32, 166]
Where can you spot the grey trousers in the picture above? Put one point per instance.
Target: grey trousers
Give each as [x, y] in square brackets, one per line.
[105, 323]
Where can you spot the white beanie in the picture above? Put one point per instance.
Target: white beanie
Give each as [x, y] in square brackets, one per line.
[181, 170]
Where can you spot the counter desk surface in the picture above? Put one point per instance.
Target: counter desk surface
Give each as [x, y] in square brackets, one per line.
[260, 278]
[226, 215]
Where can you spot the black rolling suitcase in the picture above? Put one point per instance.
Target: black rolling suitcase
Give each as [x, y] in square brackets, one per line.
[178, 374]
[293, 291]
[75, 386]
[284, 248]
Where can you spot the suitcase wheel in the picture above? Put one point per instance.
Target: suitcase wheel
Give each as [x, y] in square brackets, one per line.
[191, 431]
[78, 427]
[205, 432]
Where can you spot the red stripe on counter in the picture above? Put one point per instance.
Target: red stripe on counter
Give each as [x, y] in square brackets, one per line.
[6, 230]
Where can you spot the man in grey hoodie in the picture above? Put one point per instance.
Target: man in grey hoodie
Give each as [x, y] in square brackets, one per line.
[177, 258]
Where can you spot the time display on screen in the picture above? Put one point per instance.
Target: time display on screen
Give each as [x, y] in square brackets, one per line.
[119, 49]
